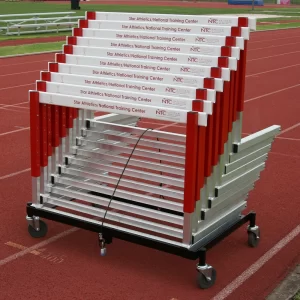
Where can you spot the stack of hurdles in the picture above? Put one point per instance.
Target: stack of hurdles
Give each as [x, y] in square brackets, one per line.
[165, 159]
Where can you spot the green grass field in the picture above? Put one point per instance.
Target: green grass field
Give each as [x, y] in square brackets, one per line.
[40, 7]
[27, 7]
[297, 296]
[31, 48]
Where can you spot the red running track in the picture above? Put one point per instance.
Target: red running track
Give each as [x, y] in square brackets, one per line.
[70, 267]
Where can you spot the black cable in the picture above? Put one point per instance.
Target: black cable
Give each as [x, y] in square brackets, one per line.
[122, 174]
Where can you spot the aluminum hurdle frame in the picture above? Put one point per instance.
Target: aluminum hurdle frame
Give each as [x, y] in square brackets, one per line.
[211, 95]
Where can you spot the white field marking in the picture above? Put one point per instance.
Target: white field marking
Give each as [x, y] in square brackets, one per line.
[10, 109]
[290, 139]
[13, 131]
[288, 129]
[7, 105]
[167, 125]
[14, 174]
[21, 247]
[275, 46]
[23, 63]
[288, 155]
[16, 86]
[18, 73]
[39, 252]
[273, 70]
[236, 283]
[284, 131]
[278, 91]
[16, 105]
[37, 246]
[264, 41]
[273, 55]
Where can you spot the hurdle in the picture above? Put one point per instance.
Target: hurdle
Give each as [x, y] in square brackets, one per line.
[136, 134]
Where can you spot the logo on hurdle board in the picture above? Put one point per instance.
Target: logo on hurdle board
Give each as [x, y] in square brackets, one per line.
[205, 29]
[171, 90]
[215, 21]
[178, 79]
[199, 39]
[160, 112]
[195, 49]
[192, 59]
[185, 69]
[212, 21]
[167, 101]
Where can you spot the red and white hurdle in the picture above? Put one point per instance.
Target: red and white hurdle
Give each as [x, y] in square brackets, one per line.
[180, 186]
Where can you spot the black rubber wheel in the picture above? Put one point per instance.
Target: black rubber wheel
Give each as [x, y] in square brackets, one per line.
[203, 283]
[253, 241]
[38, 234]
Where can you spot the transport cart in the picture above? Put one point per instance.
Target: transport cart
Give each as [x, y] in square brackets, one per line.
[136, 134]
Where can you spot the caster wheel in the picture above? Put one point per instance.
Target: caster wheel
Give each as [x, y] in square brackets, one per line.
[203, 283]
[38, 234]
[253, 241]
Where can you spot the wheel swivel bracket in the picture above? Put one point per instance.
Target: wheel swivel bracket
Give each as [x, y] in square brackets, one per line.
[255, 230]
[206, 271]
[102, 245]
[34, 222]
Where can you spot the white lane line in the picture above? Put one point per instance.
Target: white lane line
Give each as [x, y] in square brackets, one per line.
[288, 129]
[273, 56]
[8, 105]
[289, 139]
[266, 41]
[23, 63]
[37, 246]
[16, 86]
[10, 109]
[236, 283]
[273, 70]
[167, 125]
[19, 73]
[15, 106]
[13, 131]
[265, 95]
[288, 155]
[274, 46]
[14, 174]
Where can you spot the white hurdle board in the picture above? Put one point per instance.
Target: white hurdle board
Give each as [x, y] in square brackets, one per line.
[171, 18]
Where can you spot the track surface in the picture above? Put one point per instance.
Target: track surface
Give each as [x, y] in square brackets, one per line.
[70, 267]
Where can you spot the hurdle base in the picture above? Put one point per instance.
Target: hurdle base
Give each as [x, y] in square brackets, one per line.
[192, 252]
